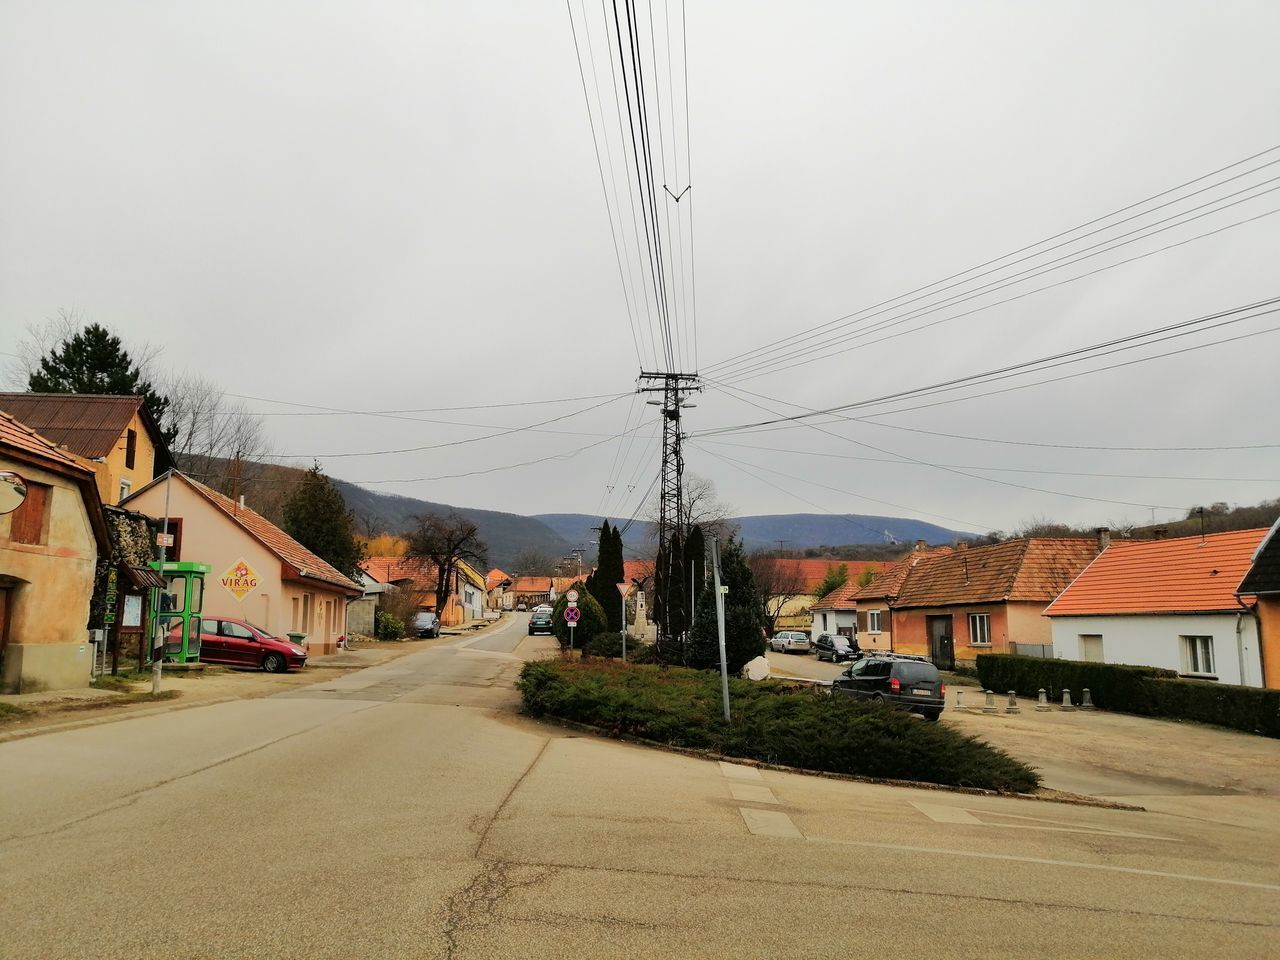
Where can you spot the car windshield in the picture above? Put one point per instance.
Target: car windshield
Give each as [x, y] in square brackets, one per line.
[840, 642]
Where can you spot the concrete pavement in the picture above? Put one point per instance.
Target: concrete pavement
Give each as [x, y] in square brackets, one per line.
[405, 811]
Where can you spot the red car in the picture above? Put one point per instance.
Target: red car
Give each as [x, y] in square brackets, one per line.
[238, 643]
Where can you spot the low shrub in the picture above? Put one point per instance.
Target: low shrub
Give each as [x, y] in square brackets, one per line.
[1251, 709]
[1112, 686]
[387, 627]
[771, 722]
[610, 645]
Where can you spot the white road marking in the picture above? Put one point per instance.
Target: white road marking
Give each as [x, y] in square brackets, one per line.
[739, 772]
[770, 823]
[977, 855]
[749, 793]
[941, 813]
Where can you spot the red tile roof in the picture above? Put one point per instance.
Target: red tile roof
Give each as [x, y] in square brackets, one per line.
[495, 578]
[633, 570]
[886, 585]
[1035, 569]
[420, 573]
[89, 425]
[1181, 575]
[531, 585]
[21, 438]
[276, 540]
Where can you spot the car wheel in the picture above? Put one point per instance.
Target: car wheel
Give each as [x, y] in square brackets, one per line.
[274, 663]
[877, 698]
[932, 715]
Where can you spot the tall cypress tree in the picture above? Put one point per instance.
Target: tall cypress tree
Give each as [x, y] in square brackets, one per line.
[600, 583]
[743, 616]
[695, 564]
[95, 361]
[618, 574]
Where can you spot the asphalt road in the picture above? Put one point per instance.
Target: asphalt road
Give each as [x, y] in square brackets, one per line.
[405, 811]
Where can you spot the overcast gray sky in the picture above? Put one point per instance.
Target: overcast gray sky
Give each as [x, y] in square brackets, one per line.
[390, 206]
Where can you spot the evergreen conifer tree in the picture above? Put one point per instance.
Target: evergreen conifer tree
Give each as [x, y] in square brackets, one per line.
[743, 619]
[317, 518]
[95, 361]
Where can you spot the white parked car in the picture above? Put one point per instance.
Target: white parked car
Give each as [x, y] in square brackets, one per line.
[790, 641]
[542, 608]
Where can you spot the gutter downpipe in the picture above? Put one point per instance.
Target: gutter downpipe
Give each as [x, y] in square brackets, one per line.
[1246, 610]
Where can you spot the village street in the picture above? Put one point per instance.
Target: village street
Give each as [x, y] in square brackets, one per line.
[406, 810]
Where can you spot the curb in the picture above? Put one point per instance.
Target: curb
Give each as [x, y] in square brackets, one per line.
[1073, 799]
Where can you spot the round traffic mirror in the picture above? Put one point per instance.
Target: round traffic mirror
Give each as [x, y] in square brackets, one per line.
[13, 491]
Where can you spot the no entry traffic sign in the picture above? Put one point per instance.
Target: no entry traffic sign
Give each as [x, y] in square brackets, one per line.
[572, 614]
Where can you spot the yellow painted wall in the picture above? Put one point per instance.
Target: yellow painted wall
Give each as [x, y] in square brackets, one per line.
[50, 586]
[112, 470]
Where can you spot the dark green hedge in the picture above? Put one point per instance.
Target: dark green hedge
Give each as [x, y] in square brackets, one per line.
[1245, 708]
[1111, 686]
[1149, 691]
[772, 722]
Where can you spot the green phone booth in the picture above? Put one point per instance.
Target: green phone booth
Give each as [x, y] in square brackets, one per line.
[177, 608]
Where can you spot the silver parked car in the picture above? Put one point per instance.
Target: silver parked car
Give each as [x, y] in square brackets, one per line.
[790, 641]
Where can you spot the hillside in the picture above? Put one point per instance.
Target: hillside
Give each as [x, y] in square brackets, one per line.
[505, 534]
[802, 531]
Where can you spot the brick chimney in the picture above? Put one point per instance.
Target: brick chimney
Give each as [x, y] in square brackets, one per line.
[1104, 538]
[962, 545]
[920, 545]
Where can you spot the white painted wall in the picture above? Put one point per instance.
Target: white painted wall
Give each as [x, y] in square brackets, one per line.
[1154, 641]
[834, 620]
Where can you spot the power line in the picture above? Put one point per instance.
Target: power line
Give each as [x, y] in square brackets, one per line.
[988, 467]
[769, 366]
[961, 473]
[330, 411]
[600, 168]
[452, 443]
[1076, 355]
[814, 330]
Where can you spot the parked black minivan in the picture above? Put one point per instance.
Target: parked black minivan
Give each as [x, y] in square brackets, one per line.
[909, 683]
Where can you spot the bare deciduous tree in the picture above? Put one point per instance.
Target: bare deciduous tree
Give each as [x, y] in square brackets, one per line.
[41, 338]
[778, 582]
[444, 539]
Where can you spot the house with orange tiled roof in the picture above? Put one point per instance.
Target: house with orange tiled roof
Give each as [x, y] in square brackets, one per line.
[467, 596]
[291, 589]
[987, 599]
[864, 611]
[1166, 603]
[52, 533]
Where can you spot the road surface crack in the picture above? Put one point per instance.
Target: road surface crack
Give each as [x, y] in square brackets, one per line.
[474, 906]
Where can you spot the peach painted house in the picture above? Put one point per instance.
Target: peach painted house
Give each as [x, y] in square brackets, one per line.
[986, 599]
[49, 549]
[866, 611]
[114, 436]
[282, 587]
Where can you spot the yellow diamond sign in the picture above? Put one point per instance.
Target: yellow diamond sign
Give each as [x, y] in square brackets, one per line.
[240, 579]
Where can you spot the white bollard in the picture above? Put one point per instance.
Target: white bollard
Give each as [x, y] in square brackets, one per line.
[1042, 705]
[1086, 701]
[1066, 700]
[990, 706]
[1013, 704]
[959, 699]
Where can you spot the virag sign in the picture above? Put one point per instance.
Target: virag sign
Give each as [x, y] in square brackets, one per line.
[240, 580]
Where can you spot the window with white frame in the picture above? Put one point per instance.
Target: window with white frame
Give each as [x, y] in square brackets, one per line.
[980, 629]
[873, 621]
[1197, 656]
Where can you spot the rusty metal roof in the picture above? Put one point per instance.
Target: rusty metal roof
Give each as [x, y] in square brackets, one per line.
[89, 425]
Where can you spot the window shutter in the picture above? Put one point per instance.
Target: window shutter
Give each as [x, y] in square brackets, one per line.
[862, 621]
[27, 525]
[130, 448]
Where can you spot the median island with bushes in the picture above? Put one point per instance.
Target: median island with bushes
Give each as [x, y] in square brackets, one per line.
[772, 722]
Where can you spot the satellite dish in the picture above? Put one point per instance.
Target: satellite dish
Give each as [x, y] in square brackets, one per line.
[13, 491]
